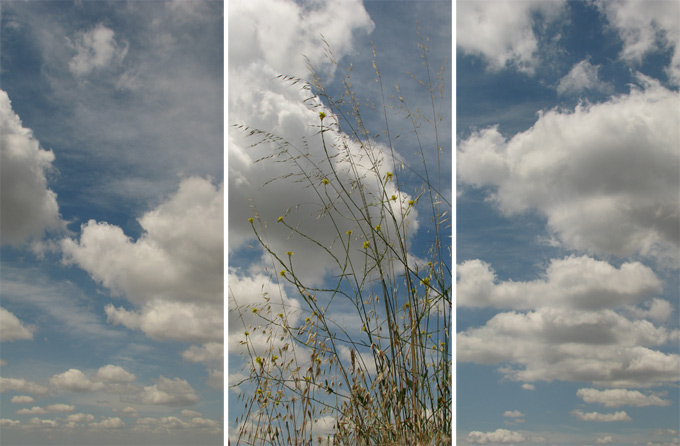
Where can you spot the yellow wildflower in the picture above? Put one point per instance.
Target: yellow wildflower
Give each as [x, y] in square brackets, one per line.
[322, 115]
[324, 181]
[366, 244]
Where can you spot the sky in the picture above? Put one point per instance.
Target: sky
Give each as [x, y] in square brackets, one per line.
[567, 172]
[111, 264]
[568, 222]
[268, 39]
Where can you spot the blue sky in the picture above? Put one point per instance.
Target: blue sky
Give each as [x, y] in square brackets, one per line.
[567, 204]
[112, 222]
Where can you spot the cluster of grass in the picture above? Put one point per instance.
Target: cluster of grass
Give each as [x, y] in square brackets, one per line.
[389, 381]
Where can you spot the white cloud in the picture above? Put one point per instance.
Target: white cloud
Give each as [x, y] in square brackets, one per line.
[583, 76]
[620, 397]
[187, 413]
[37, 423]
[207, 353]
[178, 321]
[178, 257]
[527, 386]
[108, 423]
[21, 385]
[115, 373]
[22, 399]
[513, 414]
[174, 271]
[604, 440]
[570, 345]
[656, 309]
[150, 424]
[27, 206]
[52, 408]
[248, 292]
[11, 328]
[169, 392]
[95, 49]
[281, 32]
[601, 417]
[646, 27]
[501, 31]
[604, 175]
[80, 418]
[572, 282]
[8, 422]
[502, 436]
[75, 380]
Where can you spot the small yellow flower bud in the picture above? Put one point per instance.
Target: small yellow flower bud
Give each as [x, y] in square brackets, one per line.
[290, 253]
[349, 232]
[254, 310]
[322, 115]
[411, 202]
[388, 176]
[394, 198]
[377, 228]
[250, 220]
[280, 219]
[324, 181]
[283, 272]
[366, 244]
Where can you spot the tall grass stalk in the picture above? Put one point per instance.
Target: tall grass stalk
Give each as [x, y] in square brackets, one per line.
[389, 382]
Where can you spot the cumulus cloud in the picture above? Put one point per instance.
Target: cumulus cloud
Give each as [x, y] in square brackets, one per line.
[22, 399]
[288, 30]
[110, 378]
[9, 423]
[656, 309]
[513, 414]
[108, 423]
[620, 397]
[115, 374]
[180, 321]
[150, 424]
[27, 206]
[75, 380]
[571, 345]
[95, 49]
[264, 102]
[247, 292]
[173, 272]
[178, 257]
[601, 417]
[52, 408]
[187, 413]
[527, 386]
[572, 282]
[605, 175]
[21, 385]
[502, 32]
[169, 392]
[604, 440]
[646, 27]
[583, 76]
[502, 436]
[11, 328]
[80, 418]
[207, 353]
